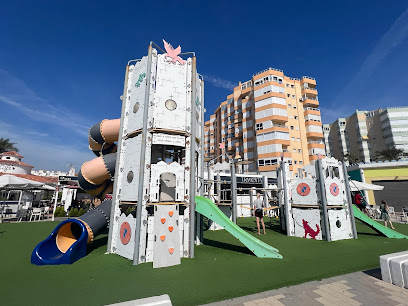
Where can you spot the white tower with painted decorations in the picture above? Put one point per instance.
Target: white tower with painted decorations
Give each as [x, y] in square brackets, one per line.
[159, 168]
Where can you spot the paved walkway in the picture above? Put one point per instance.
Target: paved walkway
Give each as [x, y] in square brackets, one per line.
[359, 288]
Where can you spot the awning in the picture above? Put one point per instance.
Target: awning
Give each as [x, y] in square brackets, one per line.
[18, 183]
[356, 186]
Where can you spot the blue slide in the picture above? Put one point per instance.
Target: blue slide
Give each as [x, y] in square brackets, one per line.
[68, 241]
[66, 244]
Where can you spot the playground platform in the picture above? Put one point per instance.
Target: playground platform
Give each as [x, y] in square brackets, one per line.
[358, 288]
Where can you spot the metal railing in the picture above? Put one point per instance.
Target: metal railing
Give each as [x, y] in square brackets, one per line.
[307, 77]
[270, 68]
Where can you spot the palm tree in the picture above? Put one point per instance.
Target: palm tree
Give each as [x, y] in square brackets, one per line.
[390, 153]
[351, 158]
[6, 145]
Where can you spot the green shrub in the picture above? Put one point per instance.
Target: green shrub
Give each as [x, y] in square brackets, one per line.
[81, 212]
[73, 213]
[60, 212]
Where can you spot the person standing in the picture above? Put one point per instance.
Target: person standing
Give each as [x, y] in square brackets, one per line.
[384, 213]
[259, 212]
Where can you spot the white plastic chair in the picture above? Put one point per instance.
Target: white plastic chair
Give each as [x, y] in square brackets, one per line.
[46, 212]
[36, 212]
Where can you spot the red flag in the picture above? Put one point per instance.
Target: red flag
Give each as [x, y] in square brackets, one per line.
[221, 145]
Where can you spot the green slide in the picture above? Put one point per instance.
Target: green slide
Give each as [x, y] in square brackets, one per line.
[376, 226]
[208, 209]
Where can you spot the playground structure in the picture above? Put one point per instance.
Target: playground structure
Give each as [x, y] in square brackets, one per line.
[156, 170]
[317, 204]
[156, 174]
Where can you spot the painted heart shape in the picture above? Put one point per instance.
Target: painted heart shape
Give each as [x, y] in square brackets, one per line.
[170, 213]
[171, 229]
[162, 238]
[163, 220]
[171, 251]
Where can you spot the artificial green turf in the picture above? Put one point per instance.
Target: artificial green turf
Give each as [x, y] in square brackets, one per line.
[221, 269]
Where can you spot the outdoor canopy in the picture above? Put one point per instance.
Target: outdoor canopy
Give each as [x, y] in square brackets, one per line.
[356, 186]
[14, 182]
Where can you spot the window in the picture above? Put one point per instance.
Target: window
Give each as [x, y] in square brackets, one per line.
[260, 162]
[293, 96]
[294, 106]
[292, 86]
[259, 126]
[291, 116]
[300, 162]
[289, 105]
[291, 127]
[299, 150]
[288, 95]
[287, 85]
[267, 162]
[297, 128]
[298, 139]
[275, 78]
[294, 150]
[293, 138]
[295, 162]
[296, 117]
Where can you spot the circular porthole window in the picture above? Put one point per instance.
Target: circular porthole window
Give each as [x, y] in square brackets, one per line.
[130, 177]
[171, 105]
[338, 223]
[136, 107]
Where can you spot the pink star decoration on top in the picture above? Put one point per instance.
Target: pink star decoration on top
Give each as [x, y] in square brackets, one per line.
[173, 53]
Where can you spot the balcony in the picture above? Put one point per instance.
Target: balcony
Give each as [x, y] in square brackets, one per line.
[312, 122]
[315, 145]
[311, 111]
[309, 92]
[308, 80]
[310, 102]
[314, 135]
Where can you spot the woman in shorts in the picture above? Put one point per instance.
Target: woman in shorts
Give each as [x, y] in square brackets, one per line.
[259, 213]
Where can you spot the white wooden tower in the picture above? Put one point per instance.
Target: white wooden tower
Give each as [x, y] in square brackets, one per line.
[159, 165]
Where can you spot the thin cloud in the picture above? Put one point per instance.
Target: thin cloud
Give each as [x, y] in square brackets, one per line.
[391, 40]
[36, 133]
[16, 93]
[218, 82]
[57, 155]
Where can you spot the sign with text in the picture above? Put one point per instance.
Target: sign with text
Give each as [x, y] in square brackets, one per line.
[168, 139]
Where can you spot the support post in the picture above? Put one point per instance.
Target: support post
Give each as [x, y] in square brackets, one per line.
[142, 168]
[201, 219]
[323, 200]
[233, 191]
[349, 201]
[265, 194]
[219, 187]
[55, 202]
[193, 159]
[251, 201]
[115, 182]
[285, 198]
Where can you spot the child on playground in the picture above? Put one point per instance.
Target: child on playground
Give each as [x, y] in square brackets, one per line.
[384, 213]
[259, 212]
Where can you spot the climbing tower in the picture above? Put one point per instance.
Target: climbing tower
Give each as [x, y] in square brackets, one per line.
[159, 164]
[317, 203]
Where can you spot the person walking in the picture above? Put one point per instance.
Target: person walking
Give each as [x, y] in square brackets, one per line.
[259, 212]
[384, 213]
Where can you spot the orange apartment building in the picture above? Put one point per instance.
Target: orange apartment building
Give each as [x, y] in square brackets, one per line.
[265, 119]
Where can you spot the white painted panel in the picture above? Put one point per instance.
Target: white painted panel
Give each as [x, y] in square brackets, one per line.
[307, 223]
[340, 227]
[126, 236]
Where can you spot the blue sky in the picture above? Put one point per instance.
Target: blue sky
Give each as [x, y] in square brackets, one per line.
[62, 63]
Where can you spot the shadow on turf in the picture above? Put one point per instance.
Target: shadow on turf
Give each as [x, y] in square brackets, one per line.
[99, 242]
[227, 246]
[374, 273]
